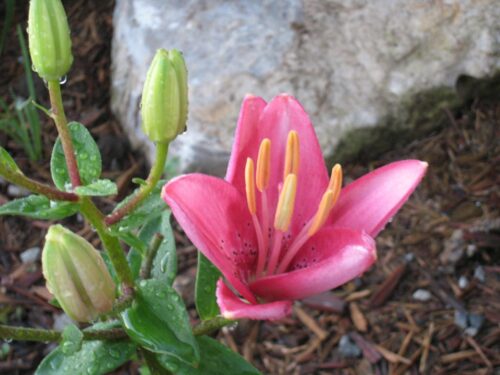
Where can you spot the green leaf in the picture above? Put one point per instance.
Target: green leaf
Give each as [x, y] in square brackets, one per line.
[99, 188]
[71, 339]
[165, 262]
[216, 359]
[94, 358]
[7, 162]
[206, 279]
[39, 207]
[88, 158]
[132, 240]
[158, 320]
[151, 207]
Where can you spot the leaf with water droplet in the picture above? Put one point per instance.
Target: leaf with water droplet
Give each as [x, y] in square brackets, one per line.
[99, 188]
[215, 359]
[39, 207]
[160, 324]
[151, 207]
[93, 358]
[206, 278]
[165, 262]
[88, 157]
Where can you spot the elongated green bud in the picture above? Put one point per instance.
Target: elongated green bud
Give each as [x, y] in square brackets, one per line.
[49, 39]
[76, 275]
[165, 97]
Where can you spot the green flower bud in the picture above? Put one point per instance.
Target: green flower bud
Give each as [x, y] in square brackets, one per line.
[76, 275]
[164, 97]
[49, 39]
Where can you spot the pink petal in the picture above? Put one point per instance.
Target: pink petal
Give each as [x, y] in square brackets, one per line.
[368, 203]
[283, 114]
[215, 218]
[330, 258]
[234, 308]
[245, 142]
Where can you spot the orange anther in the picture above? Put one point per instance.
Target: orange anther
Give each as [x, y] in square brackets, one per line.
[324, 208]
[335, 184]
[250, 186]
[264, 164]
[292, 155]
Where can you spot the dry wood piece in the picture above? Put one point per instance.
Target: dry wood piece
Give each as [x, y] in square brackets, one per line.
[385, 290]
[358, 318]
[310, 323]
[458, 356]
[327, 302]
[425, 348]
[368, 349]
[391, 356]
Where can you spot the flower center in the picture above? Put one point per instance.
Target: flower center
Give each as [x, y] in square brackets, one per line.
[270, 260]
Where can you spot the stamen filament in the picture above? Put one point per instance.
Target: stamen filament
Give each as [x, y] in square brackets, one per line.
[262, 253]
[286, 204]
[275, 252]
[292, 155]
[326, 205]
[264, 164]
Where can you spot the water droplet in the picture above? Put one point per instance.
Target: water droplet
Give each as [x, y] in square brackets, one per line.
[114, 353]
[143, 283]
[63, 80]
[207, 289]
[170, 307]
[83, 155]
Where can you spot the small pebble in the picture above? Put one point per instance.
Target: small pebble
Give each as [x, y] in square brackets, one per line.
[16, 191]
[30, 255]
[347, 348]
[476, 321]
[463, 282]
[409, 257]
[461, 319]
[422, 295]
[480, 274]
[471, 250]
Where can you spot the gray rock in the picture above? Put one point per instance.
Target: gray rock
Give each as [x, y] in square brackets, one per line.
[461, 319]
[348, 348]
[352, 64]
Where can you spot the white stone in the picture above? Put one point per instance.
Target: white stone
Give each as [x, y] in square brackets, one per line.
[350, 63]
[30, 255]
[422, 295]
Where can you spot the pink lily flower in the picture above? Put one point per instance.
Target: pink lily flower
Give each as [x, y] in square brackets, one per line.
[278, 227]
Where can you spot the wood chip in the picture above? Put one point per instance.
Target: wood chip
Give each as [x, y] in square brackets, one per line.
[327, 302]
[391, 356]
[310, 323]
[384, 291]
[358, 318]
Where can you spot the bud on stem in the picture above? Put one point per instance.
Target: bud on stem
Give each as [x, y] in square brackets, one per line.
[49, 39]
[76, 274]
[164, 97]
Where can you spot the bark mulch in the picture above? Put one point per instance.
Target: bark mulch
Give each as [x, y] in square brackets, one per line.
[430, 305]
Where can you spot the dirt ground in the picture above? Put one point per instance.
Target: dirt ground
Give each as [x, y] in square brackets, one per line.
[430, 305]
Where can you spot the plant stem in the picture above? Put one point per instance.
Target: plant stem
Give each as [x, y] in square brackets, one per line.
[37, 187]
[153, 178]
[150, 256]
[88, 208]
[62, 128]
[110, 242]
[211, 325]
[46, 335]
